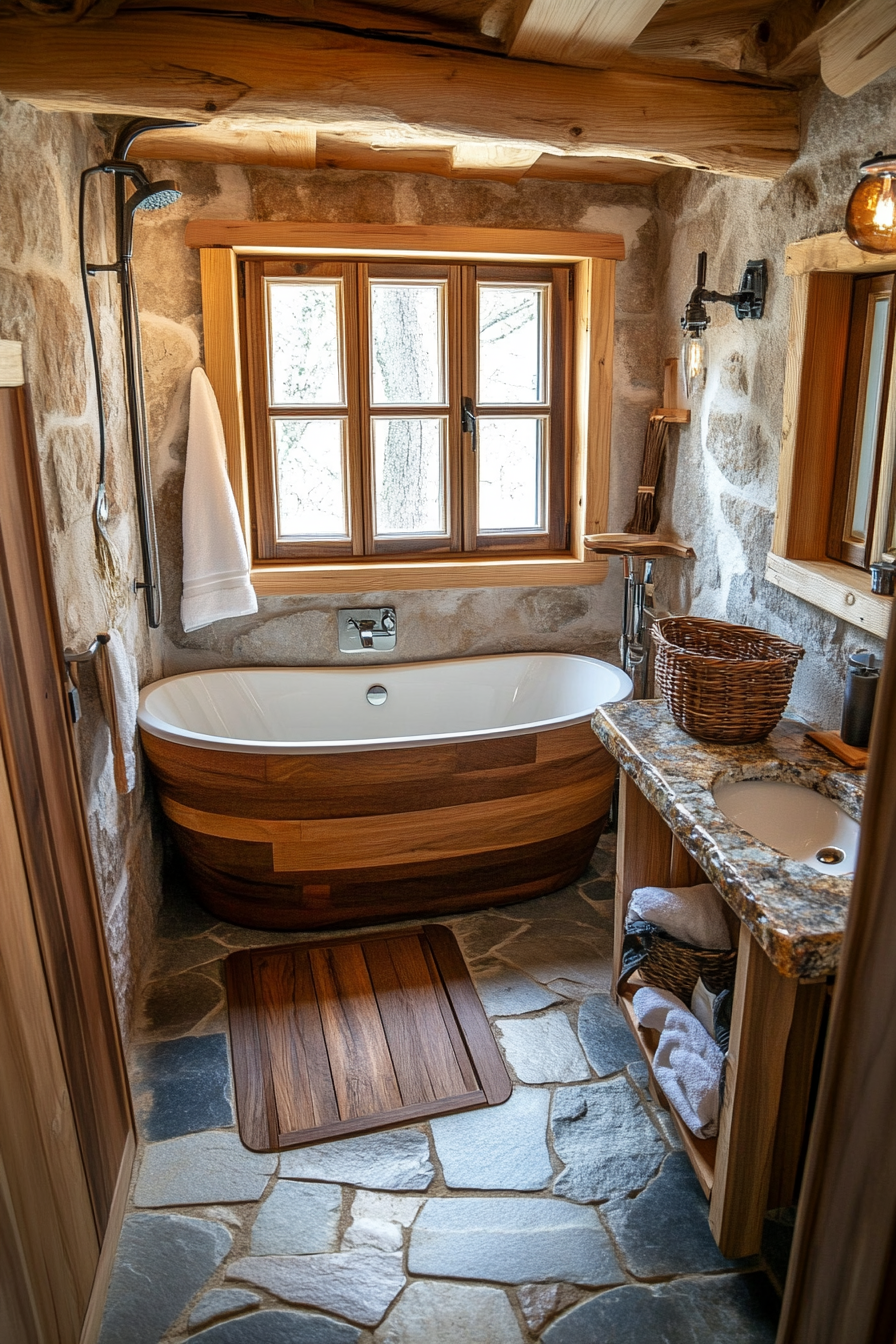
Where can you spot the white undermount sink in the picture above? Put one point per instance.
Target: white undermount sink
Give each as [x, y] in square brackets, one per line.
[795, 820]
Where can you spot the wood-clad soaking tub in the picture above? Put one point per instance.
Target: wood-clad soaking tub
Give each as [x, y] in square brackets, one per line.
[296, 803]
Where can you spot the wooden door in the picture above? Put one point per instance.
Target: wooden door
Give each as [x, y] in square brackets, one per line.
[84, 1147]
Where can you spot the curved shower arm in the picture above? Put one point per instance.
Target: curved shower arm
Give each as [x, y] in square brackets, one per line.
[139, 126]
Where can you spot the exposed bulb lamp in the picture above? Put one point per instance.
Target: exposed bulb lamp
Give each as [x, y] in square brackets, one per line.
[871, 211]
[748, 301]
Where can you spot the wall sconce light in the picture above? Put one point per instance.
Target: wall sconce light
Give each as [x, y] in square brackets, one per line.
[871, 211]
[748, 301]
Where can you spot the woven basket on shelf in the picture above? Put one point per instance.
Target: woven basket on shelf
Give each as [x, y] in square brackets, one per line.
[669, 963]
[723, 683]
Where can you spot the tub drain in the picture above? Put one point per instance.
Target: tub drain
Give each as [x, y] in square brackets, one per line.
[377, 695]
[830, 854]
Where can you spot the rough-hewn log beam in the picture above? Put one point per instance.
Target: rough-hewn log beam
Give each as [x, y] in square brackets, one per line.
[851, 41]
[289, 147]
[484, 158]
[578, 32]
[201, 66]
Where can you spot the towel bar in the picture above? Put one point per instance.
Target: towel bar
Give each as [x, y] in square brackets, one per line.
[71, 690]
[71, 657]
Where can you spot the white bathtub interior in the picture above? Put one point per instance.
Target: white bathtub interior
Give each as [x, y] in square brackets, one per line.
[274, 710]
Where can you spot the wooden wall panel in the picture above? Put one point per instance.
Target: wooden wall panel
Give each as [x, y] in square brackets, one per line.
[36, 738]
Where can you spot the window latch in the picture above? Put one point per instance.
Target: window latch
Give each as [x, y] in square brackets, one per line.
[468, 422]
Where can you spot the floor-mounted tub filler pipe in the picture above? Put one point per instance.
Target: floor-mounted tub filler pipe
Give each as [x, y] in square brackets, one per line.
[639, 554]
[145, 195]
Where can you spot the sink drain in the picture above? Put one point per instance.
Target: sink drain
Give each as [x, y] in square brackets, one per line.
[377, 695]
[830, 854]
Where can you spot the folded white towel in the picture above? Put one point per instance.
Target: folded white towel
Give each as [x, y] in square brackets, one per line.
[216, 567]
[116, 677]
[701, 1006]
[692, 914]
[652, 1006]
[688, 1067]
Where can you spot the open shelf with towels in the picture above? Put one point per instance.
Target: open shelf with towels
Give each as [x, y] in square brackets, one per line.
[755, 1162]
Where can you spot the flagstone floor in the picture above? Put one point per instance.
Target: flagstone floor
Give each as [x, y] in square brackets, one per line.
[569, 1215]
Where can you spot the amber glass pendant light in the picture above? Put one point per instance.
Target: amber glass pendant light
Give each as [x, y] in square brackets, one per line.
[871, 212]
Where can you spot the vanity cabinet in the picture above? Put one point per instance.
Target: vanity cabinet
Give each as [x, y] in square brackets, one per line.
[754, 1163]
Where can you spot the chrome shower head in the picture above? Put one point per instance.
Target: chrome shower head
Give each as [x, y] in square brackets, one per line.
[154, 196]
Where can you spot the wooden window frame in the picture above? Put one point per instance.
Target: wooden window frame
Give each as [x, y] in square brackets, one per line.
[222, 244]
[823, 270]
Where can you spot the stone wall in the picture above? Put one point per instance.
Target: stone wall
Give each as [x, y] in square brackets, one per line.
[41, 305]
[721, 483]
[431, 624]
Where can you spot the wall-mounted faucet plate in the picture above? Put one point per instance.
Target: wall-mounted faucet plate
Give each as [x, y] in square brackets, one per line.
[363, 629]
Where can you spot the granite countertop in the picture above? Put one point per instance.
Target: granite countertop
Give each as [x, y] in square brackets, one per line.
[797, 914]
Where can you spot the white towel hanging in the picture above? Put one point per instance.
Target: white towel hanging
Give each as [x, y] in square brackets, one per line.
[116, 674]
[216, 567]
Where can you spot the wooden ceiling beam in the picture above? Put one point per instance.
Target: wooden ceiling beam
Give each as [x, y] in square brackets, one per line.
[294, 146]
[486, 159]
[851, 42]
[201, 66]
[577, 32]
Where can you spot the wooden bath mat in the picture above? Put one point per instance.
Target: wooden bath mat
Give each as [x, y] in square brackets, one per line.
[351, 1035]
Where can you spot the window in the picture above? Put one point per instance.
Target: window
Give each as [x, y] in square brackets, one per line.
[862, 511]
[406, 409]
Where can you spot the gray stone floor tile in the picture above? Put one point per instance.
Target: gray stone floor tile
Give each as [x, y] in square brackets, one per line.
[512, 1241]
[599, 890]
[298, 1218]
[395, 1160]
[359, 1285]
[161, 1263]
[436, 1313]
[506, 992]
[567, 906]
[730, 1309]
[479, 933]
[604, 1033]
[606, 1139]
[665, 1230]
[184, 954]
[220, 1302]
[541, 1302]
[379, 1220]
[183, 1086]
[568, 953]
[280, 1327]
[175, 1004]
[542, 1049]
[498, 1147]
[181, 915]
[208, 1168]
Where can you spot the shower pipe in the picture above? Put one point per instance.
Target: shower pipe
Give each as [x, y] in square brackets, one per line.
[145, 195]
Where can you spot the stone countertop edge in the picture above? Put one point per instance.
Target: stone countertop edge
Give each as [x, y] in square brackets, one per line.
[797, 915]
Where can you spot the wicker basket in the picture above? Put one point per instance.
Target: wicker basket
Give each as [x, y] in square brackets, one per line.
[723, 683]
[671, 964]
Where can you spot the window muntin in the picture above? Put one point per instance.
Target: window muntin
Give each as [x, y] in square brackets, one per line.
[862, 504]
[399, 348]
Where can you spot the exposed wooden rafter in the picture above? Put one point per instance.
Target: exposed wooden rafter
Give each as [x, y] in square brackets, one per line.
[578, 32]
[202, 66]
[289, 146]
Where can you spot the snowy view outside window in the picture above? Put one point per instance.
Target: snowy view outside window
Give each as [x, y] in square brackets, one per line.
[511, 372]
[408, 369]
[407, 339]
[306, 370]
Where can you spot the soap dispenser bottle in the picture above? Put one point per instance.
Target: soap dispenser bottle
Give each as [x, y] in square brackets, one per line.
[862, 675]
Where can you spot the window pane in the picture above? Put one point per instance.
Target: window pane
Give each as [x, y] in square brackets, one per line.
[511, 475]
[409, 477]
[306, 343]
[863, 469]
[311, 490]
[407, 344]
[511, 343]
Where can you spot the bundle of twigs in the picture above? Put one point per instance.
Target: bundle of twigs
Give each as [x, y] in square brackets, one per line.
[645, 517]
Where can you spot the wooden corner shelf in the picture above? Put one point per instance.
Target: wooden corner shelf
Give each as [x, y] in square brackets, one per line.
[754, 1163]
[702, 1152]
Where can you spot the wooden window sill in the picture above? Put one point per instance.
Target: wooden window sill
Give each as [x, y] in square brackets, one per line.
[839, 589]
[287, 580]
